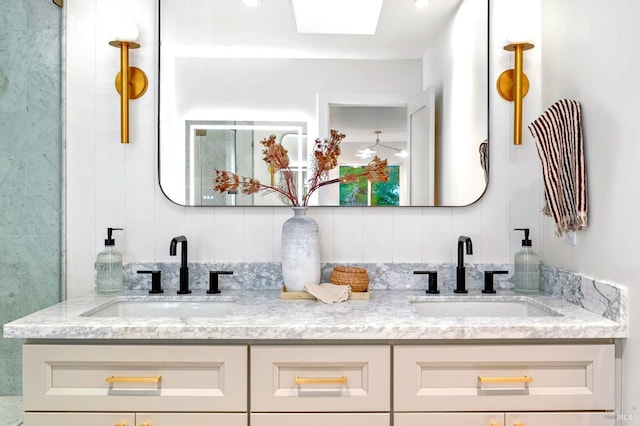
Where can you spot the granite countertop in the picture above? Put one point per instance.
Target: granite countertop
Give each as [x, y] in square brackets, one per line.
[263, 315]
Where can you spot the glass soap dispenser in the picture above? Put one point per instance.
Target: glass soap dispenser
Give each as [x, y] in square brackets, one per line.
[109, 267]
[526, 277]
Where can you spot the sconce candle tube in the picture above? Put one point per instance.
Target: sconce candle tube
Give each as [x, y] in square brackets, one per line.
[517, 104]
[124, 92]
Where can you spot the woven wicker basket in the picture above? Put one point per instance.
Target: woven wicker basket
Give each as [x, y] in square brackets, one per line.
[356, 278]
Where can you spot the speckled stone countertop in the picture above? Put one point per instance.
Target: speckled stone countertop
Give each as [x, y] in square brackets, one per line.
[263, 315]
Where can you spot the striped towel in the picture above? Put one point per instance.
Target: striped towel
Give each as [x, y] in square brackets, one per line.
[558, 134]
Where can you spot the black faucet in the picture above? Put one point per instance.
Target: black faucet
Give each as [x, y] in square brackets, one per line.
[433, 281]
[460, 279]
[184, 269]
[213, 281]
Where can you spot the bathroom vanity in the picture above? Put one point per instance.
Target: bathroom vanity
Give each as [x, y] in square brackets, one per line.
[269, 361]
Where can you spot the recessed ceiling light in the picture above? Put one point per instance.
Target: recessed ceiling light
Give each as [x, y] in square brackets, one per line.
[337, 16]
[421, 3]
[251, 3]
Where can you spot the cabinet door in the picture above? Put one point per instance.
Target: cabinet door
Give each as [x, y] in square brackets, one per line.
[320, 419]
[559, 419]
[449, 419]
[191, 419]
[183, 378]
[78, 419]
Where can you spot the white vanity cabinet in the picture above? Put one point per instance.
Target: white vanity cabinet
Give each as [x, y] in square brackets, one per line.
[522, 385]
[150, 385]
[339, 384]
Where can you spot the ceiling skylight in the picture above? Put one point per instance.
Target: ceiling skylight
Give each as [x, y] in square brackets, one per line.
[337, 16]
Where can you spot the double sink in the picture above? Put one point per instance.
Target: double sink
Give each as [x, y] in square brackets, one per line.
[425, 306]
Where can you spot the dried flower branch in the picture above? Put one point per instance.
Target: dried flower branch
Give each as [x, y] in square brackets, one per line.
[325, 158]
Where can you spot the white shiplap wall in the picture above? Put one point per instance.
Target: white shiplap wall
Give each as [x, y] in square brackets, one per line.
[109, 184]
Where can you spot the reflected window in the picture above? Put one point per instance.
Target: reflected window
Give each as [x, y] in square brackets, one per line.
[365, 193]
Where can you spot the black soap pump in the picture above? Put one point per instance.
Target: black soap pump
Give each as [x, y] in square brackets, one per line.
[109, 267]
[526, 276]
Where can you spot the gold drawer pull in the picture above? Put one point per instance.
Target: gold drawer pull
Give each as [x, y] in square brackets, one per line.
[495, 424]
[518, 424]
[114, 379]
[121, 424]
[522, 379]
[319, 380]
[145, 424]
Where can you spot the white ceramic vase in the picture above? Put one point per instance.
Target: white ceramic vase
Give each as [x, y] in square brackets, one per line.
[300, 251]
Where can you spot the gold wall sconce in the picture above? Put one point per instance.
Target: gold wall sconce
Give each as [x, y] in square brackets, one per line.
[131, 82]
[513, 86]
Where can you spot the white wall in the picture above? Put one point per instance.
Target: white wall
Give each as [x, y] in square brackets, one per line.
[588, 52]
[109, 184]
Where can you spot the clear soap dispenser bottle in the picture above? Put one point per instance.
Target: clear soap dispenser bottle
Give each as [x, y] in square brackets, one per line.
[526, 277]
[109, 267]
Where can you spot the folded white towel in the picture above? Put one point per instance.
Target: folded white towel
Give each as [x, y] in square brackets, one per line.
[558, 134]
[328, 293]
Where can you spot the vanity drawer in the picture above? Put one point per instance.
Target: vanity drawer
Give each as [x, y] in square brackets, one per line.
[320, 378]
[496, 377]
[134, 378]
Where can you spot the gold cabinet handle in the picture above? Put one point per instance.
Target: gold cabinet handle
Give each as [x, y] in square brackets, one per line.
[114, 379]
[518, 424]
[120, 424]
[495, 424]
[522, 379]
[145, 424]
[319, 380]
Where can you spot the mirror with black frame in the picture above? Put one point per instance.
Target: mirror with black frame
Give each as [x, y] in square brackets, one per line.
[414, 93]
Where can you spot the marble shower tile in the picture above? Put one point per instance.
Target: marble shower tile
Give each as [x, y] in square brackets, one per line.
[11, 384]
[29, 214]
[42, 292]
[43, 91]
[30, 50]
[24, 296]
[11, 298]
[43, 214]
[13, 14]
[12, 211]
[13, 47]
[44, 256]
[43, 174]
[13, 256]
[44, 54]
[11, 410]
[10, 348]
[12, 174]
[35, 132]
[12, 91]
[43, 15]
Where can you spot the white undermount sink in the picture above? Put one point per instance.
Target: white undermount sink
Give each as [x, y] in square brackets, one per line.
[460, 307]
[214, 307]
